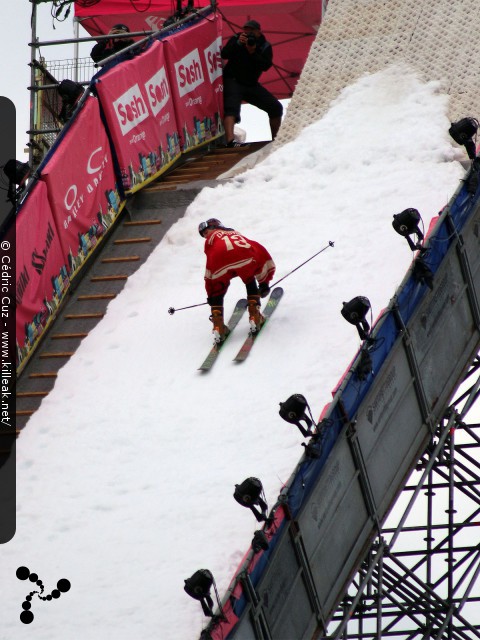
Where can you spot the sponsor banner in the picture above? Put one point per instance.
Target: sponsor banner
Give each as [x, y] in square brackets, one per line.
[195, 67]
[41, 271]
[137, 101]
[82, 188]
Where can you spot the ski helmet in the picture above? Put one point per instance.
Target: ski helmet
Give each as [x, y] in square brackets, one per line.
[211, 223]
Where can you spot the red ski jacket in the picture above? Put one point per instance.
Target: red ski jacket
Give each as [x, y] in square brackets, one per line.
[229, 254]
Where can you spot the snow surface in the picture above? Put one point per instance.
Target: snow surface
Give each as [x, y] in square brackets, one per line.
[126, 472]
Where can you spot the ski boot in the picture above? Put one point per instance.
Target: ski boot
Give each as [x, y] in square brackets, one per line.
[220, 329]
[256, 319]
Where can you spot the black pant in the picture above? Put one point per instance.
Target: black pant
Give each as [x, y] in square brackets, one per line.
[252, 290]
[234, 93]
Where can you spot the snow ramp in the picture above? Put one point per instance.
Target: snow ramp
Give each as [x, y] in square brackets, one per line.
[377, 427]
[437, 38]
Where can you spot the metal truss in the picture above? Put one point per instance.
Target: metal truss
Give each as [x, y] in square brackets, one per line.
[421, 577]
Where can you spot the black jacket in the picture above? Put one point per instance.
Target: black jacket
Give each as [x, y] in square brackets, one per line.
[106, 48]
[246, 68]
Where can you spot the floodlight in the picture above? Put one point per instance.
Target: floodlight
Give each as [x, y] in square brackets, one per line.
[250, 494]
[198, 587]
[17, 173]
[463, 132]
[406, 224]
[294, 409]
[355, 311]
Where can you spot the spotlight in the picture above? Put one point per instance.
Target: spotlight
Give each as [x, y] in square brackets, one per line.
[406, 224]
[198, 587]
[354, 312]
[249, 494]
[17, 173]
[294, 410]
[463, 133]
[259, 542]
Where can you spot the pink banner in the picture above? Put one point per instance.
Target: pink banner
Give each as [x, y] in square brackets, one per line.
[41, 272]
[195, 66]
[82, 189]
[137, 102]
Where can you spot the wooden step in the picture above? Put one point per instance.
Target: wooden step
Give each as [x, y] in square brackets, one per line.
[159, 186]
[57, 354]
[208, 162]
[107, 278]
[25, 412]
[187, 177]
[98, 296]
[177, 180]
[32, 394]
[132, 240]
[191, 170]
[125, 259]
[83, 316]
[50, 374]
[138, 223]
[66, 336]
[226, 151]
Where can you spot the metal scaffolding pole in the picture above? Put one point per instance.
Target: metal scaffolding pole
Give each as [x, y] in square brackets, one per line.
[33, 97]
[421, 578]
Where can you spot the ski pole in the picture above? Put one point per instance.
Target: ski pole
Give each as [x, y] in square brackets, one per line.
[171, 310]
[330, 244]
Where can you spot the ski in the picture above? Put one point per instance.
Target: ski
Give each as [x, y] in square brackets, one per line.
[237, 313]
[270, 307]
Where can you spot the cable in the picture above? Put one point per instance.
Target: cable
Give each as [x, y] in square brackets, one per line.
[85, 4]
[132, 2]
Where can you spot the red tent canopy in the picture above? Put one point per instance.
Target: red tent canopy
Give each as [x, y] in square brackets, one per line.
[289, 25]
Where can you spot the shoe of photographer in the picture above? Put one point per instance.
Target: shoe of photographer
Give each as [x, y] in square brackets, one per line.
[234, 143]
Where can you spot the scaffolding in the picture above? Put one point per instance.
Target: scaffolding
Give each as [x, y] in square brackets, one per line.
[420, 579]
[45, 77]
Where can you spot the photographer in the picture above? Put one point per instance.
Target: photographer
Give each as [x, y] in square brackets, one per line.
[106, 48]
[248, 54]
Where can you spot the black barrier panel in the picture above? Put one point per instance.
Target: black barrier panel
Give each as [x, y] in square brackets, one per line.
[391, 429]
[284, 590]
[245, 630]
[335, 523]
[443, 332]
[471, 243]
[7, 330]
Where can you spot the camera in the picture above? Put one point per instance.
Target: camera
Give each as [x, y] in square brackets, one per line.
[251, 40]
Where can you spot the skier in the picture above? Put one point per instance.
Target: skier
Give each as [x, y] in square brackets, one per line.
[230, 254]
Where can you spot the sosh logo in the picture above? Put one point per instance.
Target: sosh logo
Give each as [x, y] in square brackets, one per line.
[23, 573]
